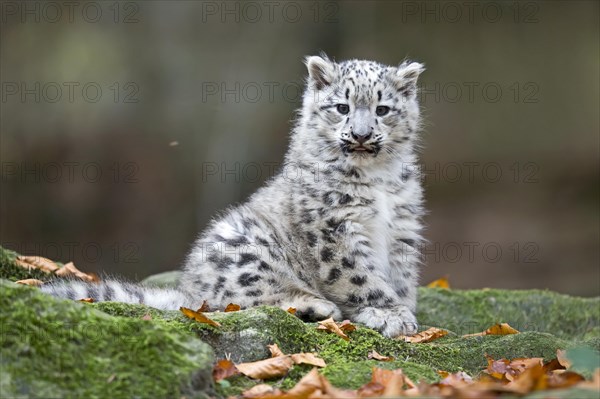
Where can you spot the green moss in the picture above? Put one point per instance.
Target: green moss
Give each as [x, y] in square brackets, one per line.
[470, 311]
[11, 271]
[51, 347]
[56, 348]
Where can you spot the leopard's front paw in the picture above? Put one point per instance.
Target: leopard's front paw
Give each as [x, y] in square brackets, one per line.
[391, 322]
[316, 309]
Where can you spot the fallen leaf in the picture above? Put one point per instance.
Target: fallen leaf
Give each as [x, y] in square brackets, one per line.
[496, 329]
[308, 358]
[275, 351]
[440, 283]
[310, 383]
[147, 316]
[262, 391]
[232, 307]
[268, 368]
[292, 310]
[428, 335]
[561, 356]
[37, 262]
[374, 355]
[454, 379]
[330, 325]
[31, 282]
[532, 379]
[204, 307]
[69, 269]
[199, 317]
[224, 369]
[371, 389]
[88, 300]
[594, 383]
[347, 326]
[565, 379]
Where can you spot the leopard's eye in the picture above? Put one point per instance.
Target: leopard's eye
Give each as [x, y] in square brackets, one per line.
[343, 109]
[382, 110]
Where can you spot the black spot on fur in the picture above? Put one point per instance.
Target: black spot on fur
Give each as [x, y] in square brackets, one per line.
[254, 293]
[264, 266]
[312, 238]
[221, 262]
[334, 275]
[219, 285]
[345, 199]
[307, 217]
[347, 263]
[358, 280]
[247, 279]
[374, 295]
[402, 291]
[246, 258]
[379, 95]
[328, 198]
[408, 242]
[262, 241]
[237, 241]
[227, 294]
[326, 254]
[353, 299]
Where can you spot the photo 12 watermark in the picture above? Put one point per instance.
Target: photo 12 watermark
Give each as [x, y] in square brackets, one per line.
[69, 92]
[71, 12]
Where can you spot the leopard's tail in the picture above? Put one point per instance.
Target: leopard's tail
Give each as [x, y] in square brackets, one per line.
[119, 291]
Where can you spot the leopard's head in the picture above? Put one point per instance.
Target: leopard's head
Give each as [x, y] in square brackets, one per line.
[360, 111]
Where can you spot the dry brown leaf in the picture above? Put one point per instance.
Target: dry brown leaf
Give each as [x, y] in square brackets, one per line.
[310, 383]
[224, 369]
[330, 325]
[496, 329]
[428, 335]
[594, 383]
[532, 379]
[204, 307]
[275, 351]
[268, 368]
[199, 317]
[37, 262]
[374, 355]
[371, 389]
[561, 356]
[455, 379]
[232, 307]
[347, 326]
[147, 316]
[394, 386]
[565, 379]
[88, 300]
[292, 310]
[69, 269]
[308, 358]
[440, 283]
[31, 282]
[262, 391]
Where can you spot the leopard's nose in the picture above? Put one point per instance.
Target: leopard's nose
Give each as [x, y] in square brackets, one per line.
[361, 138]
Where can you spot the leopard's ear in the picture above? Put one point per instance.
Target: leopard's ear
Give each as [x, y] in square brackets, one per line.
[406, 76]
[321, 70]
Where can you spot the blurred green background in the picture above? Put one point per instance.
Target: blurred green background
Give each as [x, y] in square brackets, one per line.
[125, 126]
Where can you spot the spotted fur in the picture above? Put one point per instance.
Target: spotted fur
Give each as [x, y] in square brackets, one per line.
[336, 232]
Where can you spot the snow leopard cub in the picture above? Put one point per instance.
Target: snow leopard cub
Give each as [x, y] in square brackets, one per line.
[335, 232]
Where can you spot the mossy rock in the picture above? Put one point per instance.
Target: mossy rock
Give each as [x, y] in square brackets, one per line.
[470, 311]
[58, 348]
[111, 349]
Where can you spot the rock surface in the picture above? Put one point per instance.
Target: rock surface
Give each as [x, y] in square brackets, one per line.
[60, 348]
